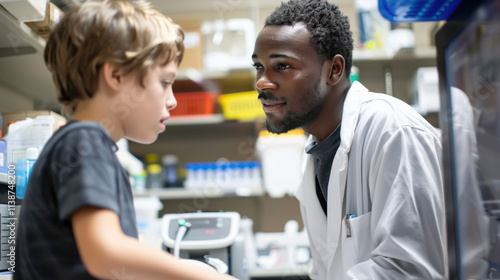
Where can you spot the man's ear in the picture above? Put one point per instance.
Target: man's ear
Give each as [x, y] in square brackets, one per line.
[336, 67]
[112, 76]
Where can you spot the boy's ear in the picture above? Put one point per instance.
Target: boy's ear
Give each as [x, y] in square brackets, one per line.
[336, 67]
[112, 76]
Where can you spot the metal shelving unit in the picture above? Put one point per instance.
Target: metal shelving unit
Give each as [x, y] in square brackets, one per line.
[181, 193]
[21, 59]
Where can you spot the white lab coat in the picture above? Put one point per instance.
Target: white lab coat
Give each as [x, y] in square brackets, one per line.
[388, 166]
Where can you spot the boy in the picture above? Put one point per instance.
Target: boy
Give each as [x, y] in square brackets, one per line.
[113, 64]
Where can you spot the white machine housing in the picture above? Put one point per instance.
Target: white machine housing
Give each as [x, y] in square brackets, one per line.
[216, 234]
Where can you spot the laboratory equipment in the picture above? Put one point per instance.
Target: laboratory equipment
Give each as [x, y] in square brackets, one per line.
[287, 249]
[210, 237]
[468, 63]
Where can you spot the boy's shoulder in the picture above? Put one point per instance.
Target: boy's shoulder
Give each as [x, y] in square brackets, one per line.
[81, 134]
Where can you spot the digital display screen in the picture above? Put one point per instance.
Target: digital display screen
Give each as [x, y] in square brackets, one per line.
[204, 223]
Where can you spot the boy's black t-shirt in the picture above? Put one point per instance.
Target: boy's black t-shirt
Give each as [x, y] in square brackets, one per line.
[77, 168]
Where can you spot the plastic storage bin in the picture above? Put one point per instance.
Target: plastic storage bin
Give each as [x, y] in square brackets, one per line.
[241, 106]
[146, 211]
[228, 44]
[195, 103]
[417, 10]
[281, 157]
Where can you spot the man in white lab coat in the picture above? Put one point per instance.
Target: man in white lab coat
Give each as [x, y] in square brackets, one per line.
[371, 196]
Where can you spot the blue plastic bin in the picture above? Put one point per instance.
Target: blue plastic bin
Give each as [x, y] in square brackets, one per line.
[417, 10]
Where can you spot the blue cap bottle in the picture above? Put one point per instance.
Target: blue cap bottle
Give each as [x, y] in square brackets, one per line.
[23, 171]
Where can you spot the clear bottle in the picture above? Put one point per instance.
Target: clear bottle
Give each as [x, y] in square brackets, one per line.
[23, 171]
[154, 180]
[189, 183]
[139, 185]
[255, 177]
[221, 175]
[153, 169]
[210, 175]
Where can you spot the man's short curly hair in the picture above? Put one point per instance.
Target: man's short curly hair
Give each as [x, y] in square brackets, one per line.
[329, 28]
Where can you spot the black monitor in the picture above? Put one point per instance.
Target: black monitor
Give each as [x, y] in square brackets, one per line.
[468, 61]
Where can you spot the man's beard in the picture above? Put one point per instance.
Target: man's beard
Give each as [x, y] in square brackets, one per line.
[293, 120]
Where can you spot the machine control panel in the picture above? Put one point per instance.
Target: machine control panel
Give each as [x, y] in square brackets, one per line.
[205, 230]
[202, 228]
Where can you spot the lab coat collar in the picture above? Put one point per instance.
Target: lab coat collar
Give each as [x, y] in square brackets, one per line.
[350, 113]
[352, 105]
[329, 228]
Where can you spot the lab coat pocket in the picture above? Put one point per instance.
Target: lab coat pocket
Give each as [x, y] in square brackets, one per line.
[358, 246]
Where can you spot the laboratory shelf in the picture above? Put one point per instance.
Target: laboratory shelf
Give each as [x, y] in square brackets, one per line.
[283, 272]
[196, 120]
[198, 75]
[402, 54]
[21, 58]
[358, 55]
[180, 193]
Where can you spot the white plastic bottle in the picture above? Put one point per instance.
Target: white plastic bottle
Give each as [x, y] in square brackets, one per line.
[255, 176]
[188, 183]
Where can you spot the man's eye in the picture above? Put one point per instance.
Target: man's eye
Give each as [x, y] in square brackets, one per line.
[282, 66]
[257, 66]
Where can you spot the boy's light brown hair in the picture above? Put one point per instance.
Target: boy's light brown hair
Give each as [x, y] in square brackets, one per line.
[130, 35]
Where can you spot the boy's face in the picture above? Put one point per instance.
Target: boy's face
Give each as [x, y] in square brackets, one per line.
[149, 105]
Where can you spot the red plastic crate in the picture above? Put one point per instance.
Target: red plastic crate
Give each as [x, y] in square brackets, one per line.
[195, 103]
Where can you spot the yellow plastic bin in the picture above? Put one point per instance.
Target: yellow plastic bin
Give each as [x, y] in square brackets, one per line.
[241, 106]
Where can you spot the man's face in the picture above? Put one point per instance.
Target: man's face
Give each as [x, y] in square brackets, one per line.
[289, 77]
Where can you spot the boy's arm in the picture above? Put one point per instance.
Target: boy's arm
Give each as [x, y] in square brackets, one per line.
[110, 254]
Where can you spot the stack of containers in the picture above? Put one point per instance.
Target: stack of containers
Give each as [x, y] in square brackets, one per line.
[228, 176]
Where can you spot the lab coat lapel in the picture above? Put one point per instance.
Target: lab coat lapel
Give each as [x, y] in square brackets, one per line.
[314, 217]
[336, 189]
[338, 177]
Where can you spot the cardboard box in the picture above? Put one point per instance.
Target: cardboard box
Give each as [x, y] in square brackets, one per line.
[19, 116]
[44, 27]
[193, 44]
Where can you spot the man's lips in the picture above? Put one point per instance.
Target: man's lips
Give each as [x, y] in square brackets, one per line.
[272, 105]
